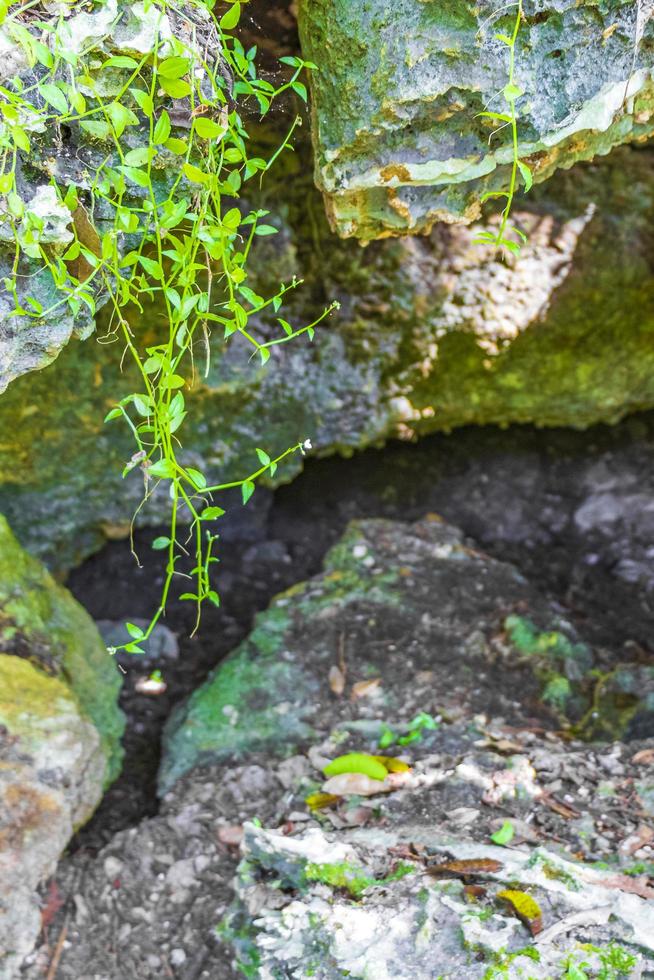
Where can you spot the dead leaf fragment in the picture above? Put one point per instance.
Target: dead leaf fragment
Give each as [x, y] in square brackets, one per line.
[320, 801]
[644, 758]
[336, 680]
[473, 893]
[357, 784]
[231, 834]
[363, 689]
[464, 868]
[392, 763]
[627, 883]
[643, 835]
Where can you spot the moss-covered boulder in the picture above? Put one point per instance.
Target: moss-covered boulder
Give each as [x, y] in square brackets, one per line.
[400, 143]
[60, 730]
[419, 623]
[432, 334]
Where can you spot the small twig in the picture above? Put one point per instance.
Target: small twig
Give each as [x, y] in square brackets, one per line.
[58, 950]
[588, 917]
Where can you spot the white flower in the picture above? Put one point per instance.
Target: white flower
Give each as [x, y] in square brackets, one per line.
[307, 444]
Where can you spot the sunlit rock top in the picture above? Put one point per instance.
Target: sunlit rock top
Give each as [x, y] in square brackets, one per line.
[398, 139]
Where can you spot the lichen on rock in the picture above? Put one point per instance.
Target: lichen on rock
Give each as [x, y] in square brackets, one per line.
[60, 730]
[398, 138]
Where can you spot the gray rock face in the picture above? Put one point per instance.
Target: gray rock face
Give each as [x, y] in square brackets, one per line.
[415, 646]
[60, 730]
[419, 927]
[395, 599]
[432, 334]
[399, 142]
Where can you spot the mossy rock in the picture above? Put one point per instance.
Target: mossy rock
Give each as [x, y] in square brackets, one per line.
[42, 625]
[399, 140]
[432, 334]
[421, 614]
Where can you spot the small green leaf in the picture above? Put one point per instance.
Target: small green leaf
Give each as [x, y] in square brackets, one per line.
[143, 100]
[263, 230]
[505, 38]
[247, 489]
[497, 115]
[160, 543]
[197, 479]
[196, 175]
[176, 88]
[212, 513]
[113, 414]
[207, 129]
[163, 468]
[527, 175]
[173, 68]
[512, 92]
[152, 267]
[264, 458]
[54, 96]
[231, 18]
[120, 61]
[173, 381]
[176, 146]
[121, 117]
[162, 129]
[300, 89]
[134, 631]
[505, 834]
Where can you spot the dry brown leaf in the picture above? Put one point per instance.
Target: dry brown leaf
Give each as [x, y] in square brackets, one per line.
[473, 893]
[643, 835]
[362, 689]
[88, 236]
[336, 680]
[627, 883]
[232, 835]
[465, 868]
[644, 758]
[53, 902]
[357, 784]
[563, 809]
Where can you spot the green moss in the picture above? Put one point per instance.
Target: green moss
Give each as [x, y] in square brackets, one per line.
[251, 702]
[352, 878]
[41, 622]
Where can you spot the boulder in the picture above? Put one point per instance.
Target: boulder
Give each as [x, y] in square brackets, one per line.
[60, 730]
[433, 333]
[399, 140]
[418, 621]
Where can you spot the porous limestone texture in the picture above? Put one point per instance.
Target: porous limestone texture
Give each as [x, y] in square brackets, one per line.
[60, 730]
[397, 598]
[433, 333]
[399, 142]
[419, 927]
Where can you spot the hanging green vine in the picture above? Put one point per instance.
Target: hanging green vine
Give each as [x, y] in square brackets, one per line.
[158, 217]
[511, 93]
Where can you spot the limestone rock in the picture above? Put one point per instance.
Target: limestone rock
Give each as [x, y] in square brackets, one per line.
[432, 334]
[410, 925]
[398, 138]
[439, 626]
[60, 731]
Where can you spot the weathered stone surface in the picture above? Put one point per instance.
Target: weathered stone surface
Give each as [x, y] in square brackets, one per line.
[432, 334]
[60, 731]
[417, 927]
[398, 139]
[162, 888]
[397, 600]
